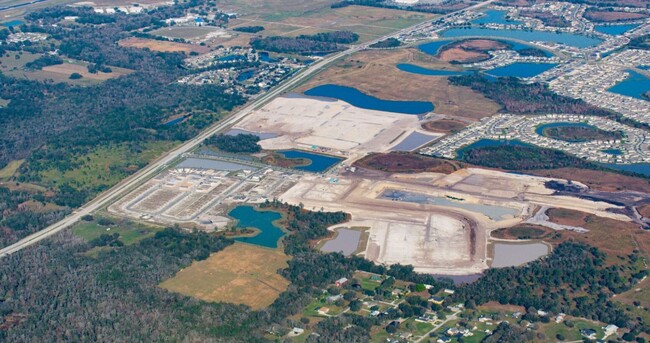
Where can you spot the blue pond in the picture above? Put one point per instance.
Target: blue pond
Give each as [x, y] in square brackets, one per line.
[413, 141]
[264, 57]
[521, 69]
[245, 75]
[359, 99]
[232, 58]
[635, 85]
[248, 217]
[615, 29]
[639, 168]
[571, 39]
[12, 23]
[319, 163]
[411, 68]
[612, 151]
[485, 143]
[495, 17]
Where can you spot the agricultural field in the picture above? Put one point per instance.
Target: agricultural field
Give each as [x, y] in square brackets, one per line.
[13, 66]
[162, 46]
[241, 274]
[309, 17]
[371, 71]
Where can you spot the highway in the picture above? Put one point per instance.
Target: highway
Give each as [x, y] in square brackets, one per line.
[165, 161]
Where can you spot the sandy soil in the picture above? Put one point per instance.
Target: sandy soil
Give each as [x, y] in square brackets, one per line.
[163, 46]
[444, 125]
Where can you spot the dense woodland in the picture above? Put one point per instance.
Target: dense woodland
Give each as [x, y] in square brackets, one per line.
[574, 279]
[515, 157]
[321, 43]
[241, 143]
[53, 126]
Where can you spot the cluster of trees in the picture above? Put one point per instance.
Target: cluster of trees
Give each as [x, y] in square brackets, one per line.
[241, 143]
[321, 43]
[249, 29]
[515, 157]
[574, 279]
[547, 18]
[518, 97]
[387, 43]
[641, 42]
[43, 61]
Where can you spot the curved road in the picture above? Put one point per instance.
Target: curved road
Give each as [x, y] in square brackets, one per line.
[164, 161]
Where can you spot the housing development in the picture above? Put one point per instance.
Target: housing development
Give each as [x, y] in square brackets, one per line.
[325, 171]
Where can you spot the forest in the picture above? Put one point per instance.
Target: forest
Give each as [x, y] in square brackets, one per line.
[54, 126]
[515, 157]
[240, 143]
[320, 43]
[574, 279]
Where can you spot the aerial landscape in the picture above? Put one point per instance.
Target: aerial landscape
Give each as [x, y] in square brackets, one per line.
[324, 171]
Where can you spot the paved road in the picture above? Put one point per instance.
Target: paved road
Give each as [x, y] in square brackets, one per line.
[165, 161]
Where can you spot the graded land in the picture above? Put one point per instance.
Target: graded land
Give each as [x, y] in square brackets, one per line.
[240, 274]
[375, 73]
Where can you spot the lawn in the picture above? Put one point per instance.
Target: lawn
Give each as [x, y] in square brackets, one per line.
[130, 232]
[240, 274]
[10, 169]
[552, 329]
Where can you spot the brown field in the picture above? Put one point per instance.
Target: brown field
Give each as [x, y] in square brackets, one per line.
[68, 68]
[444, 125]
[644, 210]
[616, 238]
[375, 73]
[407, 163]
[163, 46]
[469, 51]
[611, 16]
[240, 274]
[597, 180]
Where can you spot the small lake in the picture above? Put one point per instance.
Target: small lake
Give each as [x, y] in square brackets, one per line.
[571, 39]
[615, 29]
[319, 162]
[248, 216]
[356, 98]
[511, 255]
[521, 69]
[411, 68]
[346, 242]
[495, 17]
[174, 121]
[615, 152]
[264, 57]
[202, 163]
[413, 141]
[494, 212]
[12, 23]
[485, 143]
[635, 85]
[639, 168]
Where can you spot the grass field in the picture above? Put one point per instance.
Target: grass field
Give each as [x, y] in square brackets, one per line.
[375, 73]
[130, 232]
[241, 274]
[163, 46]
[309, 17]
[10, 169]
[185, 32]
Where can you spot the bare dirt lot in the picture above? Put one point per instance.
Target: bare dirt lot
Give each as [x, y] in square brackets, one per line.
[597, 180]
[240, 274]
[375, 73]
[613, 16]
[163, 46]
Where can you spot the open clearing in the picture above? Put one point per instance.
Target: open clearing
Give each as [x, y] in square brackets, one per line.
[192, 33]
[375, 73]
[309, 17]
[240, 274]
[10, 169]
[613, 16]
[163, 46]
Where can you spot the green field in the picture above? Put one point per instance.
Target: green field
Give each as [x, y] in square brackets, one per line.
[130, 232]
[10, 169]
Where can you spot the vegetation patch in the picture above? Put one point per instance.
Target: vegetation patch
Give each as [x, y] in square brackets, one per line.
[162, 45]
[10, 169]
[320, 43]
[241, 143]
[597, 179]
[240, 274]
[523, 231]
[444, 125]
[407, 163]
[470, 50]
[104, 231]
[514, 157]
[609, 16]
[580, 134]
[249, 29]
